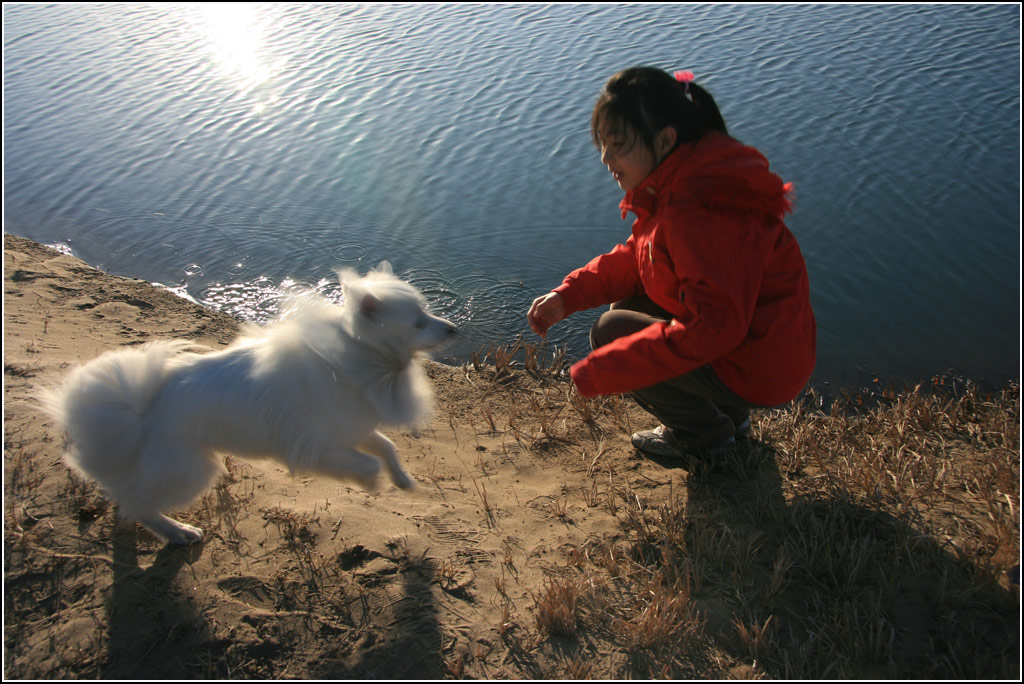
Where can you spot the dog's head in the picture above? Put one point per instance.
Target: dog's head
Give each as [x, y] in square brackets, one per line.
[390, 312]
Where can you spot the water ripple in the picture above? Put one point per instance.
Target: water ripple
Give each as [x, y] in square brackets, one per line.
[452, 140]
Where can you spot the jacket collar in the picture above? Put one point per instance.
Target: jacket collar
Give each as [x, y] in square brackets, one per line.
[715, 172]
[642, 199]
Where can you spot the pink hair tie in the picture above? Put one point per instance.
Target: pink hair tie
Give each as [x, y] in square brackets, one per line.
[686, 78]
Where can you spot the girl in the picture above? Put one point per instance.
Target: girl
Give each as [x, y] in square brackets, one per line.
[710, 311]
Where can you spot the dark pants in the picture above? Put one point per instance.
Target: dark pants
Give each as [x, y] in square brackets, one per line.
[697, 406]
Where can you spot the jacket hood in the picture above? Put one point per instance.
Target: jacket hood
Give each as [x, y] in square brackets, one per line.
[716, 173]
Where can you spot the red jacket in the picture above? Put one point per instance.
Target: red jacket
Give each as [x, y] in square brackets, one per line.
[709, 245]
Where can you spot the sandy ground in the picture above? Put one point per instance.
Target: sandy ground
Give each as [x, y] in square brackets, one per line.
[532, 516]
[297, 577]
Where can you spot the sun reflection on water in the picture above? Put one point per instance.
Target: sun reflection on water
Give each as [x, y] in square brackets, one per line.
[236, 36]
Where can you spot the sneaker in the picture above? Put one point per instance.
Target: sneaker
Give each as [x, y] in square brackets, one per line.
[662, 441]
[656, 442]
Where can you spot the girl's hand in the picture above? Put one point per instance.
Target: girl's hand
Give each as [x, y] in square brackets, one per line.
[545, 312]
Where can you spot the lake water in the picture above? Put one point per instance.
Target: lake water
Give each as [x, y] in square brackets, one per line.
[234, 151]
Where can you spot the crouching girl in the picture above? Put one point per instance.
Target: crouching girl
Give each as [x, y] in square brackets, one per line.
[710, 312]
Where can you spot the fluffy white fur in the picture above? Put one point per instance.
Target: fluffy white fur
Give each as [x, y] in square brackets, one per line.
[146, 423]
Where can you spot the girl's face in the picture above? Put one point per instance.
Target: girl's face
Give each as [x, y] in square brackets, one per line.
[624, 153]
[626, 156]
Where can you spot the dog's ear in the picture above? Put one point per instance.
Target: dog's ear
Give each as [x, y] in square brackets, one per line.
[384, 268]
[369, 306]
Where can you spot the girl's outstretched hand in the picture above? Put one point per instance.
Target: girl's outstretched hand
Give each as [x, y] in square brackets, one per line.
[545, 312]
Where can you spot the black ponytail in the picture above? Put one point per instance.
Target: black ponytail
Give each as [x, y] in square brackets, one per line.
[646, 100]
[711, 119]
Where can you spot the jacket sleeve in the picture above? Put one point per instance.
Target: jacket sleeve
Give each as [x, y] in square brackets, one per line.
[607, 278]
[716, 262]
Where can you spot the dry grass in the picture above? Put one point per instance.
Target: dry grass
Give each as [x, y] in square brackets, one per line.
[877, 538]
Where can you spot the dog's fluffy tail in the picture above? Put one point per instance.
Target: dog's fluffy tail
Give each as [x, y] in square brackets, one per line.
[101, 407]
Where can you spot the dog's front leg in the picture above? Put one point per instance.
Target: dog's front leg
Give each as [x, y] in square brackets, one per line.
[346, 464]
[173, 531]
[382, 447]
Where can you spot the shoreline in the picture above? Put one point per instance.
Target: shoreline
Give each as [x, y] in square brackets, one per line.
[538, 544]
[825, 391]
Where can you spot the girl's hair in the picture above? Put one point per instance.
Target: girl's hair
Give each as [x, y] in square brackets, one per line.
[645, 100]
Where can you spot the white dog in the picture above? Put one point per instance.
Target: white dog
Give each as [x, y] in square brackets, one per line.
[310, 391]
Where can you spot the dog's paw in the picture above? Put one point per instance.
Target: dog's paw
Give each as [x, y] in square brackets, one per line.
[178, 533]
[403, 481]
[370, 484]
[185, 535]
